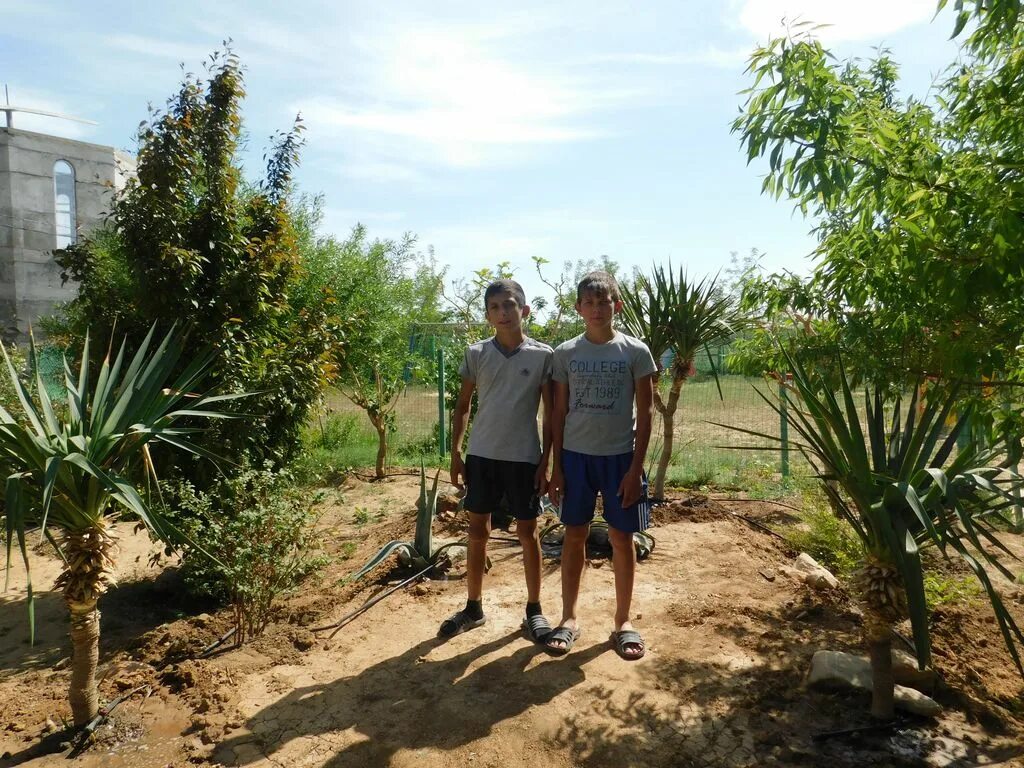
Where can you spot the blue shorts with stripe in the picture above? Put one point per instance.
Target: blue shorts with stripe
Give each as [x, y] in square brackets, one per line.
[586, 476]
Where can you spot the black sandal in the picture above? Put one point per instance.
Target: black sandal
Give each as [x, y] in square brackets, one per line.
[537, 628]
[567, 635]
[458, 623]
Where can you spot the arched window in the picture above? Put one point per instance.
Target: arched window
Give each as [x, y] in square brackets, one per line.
[64, 203]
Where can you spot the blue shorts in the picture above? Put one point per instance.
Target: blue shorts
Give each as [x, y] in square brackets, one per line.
[586, 476]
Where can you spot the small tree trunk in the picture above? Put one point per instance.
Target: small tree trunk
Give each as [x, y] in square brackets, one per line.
[668, 420]
[382, 446]
[85, 656]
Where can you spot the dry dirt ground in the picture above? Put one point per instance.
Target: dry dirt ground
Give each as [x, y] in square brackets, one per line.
[729, 642]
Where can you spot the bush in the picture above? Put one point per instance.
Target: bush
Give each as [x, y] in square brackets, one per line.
[825, 537]
[258, 532]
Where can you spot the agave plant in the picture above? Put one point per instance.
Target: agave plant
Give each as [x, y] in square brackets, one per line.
[418, 553]
[671, 313]
[902, 489]
[71, 474]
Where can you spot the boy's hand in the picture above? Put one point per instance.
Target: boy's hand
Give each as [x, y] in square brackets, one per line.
[540, 480]
[631, 487]
[458, 471]
[555, 486]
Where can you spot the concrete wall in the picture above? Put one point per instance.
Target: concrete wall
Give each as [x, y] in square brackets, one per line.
[30, 284]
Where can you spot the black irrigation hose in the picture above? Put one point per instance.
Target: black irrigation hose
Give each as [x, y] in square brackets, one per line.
[336, 626]
[765, 501]
[101, 717]
[869, 728]
[758, 525]
[208, 650]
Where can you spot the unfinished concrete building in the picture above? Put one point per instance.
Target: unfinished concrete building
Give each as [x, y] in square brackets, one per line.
[52, 191]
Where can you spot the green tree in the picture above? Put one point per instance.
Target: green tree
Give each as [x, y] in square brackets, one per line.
[189, 238]
[71, 474]
[673, 314]
[919, 205]
[380, 291]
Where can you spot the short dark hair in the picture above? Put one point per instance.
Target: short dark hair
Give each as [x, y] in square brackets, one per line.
[504, 285]
[599, 283]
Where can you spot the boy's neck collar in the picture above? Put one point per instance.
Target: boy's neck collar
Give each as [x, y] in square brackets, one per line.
[612, 333]
[511, 342]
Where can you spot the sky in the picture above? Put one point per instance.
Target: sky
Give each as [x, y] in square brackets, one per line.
[492, 131]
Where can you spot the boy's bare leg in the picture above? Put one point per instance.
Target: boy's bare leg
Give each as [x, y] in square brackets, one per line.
[624, 566]
[530, 541]
[574, 554]
[476, 555]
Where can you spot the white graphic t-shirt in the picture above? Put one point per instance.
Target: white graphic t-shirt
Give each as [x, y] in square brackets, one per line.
[601, 417]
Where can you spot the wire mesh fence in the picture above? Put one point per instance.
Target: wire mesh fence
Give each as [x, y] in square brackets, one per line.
[704, 448]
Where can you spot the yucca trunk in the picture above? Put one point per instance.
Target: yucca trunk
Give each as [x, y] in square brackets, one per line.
[668, 420]
[84, 579]
[884, 601]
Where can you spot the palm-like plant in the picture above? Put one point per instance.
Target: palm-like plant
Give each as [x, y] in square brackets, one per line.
[70, 472]
[902, 489]
[671, 313]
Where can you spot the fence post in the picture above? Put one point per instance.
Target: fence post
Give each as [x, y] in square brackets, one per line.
[441, 410]
[784, 425]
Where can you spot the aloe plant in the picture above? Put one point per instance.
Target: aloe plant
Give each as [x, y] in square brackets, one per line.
[902, 490]
[420, 552]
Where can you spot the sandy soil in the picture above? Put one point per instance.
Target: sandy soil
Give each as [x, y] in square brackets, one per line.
[730, 638]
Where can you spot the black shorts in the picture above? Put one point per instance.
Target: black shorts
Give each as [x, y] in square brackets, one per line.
[488, 480]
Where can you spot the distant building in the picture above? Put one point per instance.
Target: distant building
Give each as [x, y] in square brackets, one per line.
[52, 190]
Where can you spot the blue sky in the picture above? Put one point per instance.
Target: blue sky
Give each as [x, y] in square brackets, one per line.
[493, 131]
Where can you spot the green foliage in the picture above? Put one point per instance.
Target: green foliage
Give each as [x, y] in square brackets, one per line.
[71, 472]
[828, 539]
[379, 303]
[674, 314]
[261, 532]
[919, 206]
[940, 589]
[898, 484]
[189, 238]
[8, 386]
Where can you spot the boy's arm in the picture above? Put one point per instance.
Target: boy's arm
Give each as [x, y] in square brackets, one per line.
[547, 401]
[460, 420]
[558, 413]
[631, 486]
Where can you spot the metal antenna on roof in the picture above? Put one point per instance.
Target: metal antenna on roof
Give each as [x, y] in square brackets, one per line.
[9, 110]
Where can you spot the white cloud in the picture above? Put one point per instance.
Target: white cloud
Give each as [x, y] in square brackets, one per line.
[863, 20]
[710, 55]
[151, 46]
[455, 95]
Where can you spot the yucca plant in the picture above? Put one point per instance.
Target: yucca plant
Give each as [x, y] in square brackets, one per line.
[672, 313]
[902, 489]
[71, 474]
[418, 553]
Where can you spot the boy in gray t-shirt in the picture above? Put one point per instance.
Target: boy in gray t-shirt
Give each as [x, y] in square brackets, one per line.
[511, 375]
[599, 442]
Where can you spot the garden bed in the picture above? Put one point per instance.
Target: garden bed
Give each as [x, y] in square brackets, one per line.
[730, 639]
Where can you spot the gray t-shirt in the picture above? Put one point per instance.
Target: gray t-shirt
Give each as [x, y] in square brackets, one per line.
[602, 418]
[508, 394]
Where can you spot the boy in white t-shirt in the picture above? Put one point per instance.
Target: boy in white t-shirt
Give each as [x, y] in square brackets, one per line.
[511, 375]
[600, 430]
